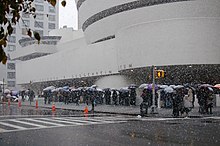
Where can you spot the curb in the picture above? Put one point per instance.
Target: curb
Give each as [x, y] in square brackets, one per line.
[77, 110]
[115, 113]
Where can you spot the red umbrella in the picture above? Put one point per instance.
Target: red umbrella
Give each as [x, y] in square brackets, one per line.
[217, 86]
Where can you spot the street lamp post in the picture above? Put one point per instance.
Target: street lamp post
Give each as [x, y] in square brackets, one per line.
[153, 107]
[3, 86]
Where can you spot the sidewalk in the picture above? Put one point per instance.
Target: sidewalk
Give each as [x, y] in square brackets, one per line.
[118, 109]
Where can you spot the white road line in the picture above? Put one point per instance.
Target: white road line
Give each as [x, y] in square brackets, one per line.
[13, 126]
[102, 120]
[81, 121]
[88, 120]
[113, 118]
[27, 123]
[60, 120]
[75, 121]
[45, 122]
[216, 118]
[91, 120]
[2, 130]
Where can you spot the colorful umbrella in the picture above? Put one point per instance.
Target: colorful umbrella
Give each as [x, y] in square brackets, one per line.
[217, 86]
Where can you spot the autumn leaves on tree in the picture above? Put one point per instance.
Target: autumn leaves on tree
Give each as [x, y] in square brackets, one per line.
[10, 13]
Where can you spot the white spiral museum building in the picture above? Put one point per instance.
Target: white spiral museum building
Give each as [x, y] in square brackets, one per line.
[119, 40]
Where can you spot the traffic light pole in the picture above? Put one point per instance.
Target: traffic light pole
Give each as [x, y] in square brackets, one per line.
[3, 88]
[153, 107]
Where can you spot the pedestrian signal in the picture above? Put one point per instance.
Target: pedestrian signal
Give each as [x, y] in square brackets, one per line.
[160, 73]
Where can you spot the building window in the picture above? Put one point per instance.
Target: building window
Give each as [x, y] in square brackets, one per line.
[38, 24]
[51, 25]
[11, 66]
[39, 16]
[25, 15]
[26, 23]
[11, 83]
[41, 32]
[39, 7]
[12, 39]
[11, 48]
[11, 75]
[51, 17]
[51, 9]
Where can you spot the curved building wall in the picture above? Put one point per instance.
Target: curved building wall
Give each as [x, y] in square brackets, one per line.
[87, 61]
[106, 23]
[169, 42]
[88, 8]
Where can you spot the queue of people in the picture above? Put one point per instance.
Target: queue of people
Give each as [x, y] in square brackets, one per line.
[181, 99]
[92, 95]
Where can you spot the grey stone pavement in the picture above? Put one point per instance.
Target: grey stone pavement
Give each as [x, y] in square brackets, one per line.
[118, 109]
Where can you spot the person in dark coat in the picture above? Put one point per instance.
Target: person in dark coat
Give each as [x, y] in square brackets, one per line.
[202, 99]
[114, 97]
[31, 96]
[66, 97]
[50, 96]
[45, 96]
[92, 99]
[126, 97]
[144, 103]
[133, 96]
[107, 97]
[178, 102]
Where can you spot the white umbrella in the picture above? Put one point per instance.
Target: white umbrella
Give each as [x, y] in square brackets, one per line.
[172, 86]
[132, 86]
[80, 88]
[66, 87]
[7, 91]
[124, 89]
[206, 85]
[49, 88]
[178, 86]
[98, 89]
[94, 86]
[163, 86]
[91, 89]
[8, 96]
[57, 89]
[210, 89]
[143, 85]
[169, 90]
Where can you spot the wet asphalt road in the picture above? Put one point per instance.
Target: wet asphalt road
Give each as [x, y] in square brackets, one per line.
[117, 130]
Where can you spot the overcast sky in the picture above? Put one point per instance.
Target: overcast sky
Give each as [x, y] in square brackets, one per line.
[68, 15]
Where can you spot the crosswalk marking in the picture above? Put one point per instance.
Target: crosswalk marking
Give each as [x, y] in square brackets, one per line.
[31, 123]
[12, 125]
[44, 122]
[2, 130]
[60, 120]
[87, 120]
[81, 121]
[27, 123]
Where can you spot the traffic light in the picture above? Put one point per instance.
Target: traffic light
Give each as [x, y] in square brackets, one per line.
[160, 73]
